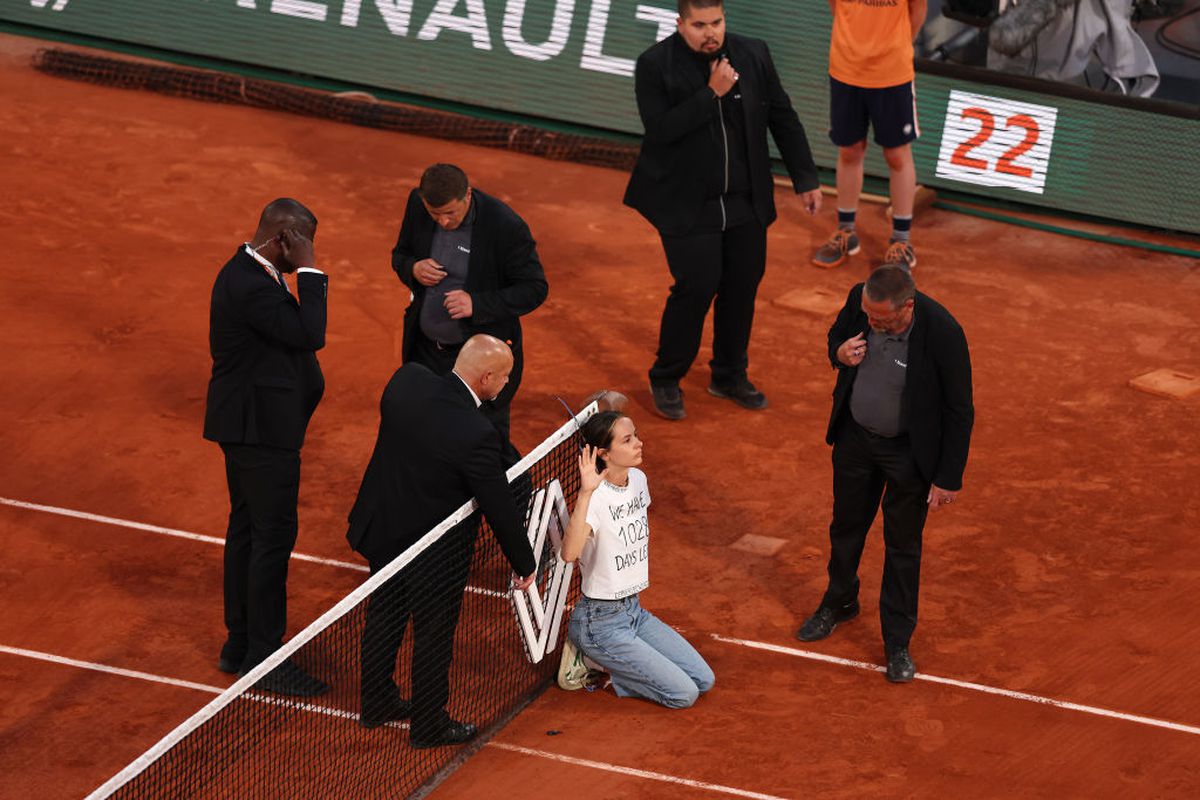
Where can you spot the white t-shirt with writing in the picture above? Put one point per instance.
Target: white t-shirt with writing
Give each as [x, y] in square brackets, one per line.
[615, 561]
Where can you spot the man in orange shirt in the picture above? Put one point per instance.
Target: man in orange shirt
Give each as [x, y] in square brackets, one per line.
[871, 83]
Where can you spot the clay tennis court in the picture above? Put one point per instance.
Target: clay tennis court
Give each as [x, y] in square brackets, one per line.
[1067, 570]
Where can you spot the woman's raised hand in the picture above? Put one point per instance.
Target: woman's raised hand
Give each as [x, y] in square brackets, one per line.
[589, 474]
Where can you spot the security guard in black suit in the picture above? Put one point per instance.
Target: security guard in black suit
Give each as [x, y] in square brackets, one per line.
[435, 451]
[472, 266]
[900, 429]
[703, 179]
[265, 385]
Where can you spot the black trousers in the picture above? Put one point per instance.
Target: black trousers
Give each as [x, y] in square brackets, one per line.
[429, 591]
[725, 266]
[867, 467]
[441, 361]
[264, 483]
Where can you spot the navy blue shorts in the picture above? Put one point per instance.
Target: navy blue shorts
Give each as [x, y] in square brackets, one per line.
[890, 111]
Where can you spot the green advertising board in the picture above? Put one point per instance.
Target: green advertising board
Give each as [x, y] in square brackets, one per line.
[571, 61]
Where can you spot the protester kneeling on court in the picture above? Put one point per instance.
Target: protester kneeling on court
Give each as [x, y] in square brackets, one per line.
[609, 535]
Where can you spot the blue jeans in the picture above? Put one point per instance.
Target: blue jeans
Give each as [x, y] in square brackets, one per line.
[644, 656]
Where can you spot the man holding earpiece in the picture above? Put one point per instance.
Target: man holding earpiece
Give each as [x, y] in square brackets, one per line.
[703, 179]
[265, 385]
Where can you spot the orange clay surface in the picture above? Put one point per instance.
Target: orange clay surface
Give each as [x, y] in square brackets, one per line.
[1068, 568]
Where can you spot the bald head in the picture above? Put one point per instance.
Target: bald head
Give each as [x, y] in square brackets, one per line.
[484, 363]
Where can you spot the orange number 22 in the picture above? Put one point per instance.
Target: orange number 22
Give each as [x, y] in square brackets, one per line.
[987, 126]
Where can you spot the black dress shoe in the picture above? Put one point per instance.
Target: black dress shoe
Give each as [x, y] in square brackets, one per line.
[392, 711]
[233, 655]
[900, 666]
[668, 400]
[822, 623]
[289, 679]
[740, 391]
[230, 664]
[453, 732]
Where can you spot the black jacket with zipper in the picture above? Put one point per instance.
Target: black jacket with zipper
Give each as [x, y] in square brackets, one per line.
[684, 134]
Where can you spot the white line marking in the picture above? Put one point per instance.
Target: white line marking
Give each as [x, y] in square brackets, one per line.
[200, 537]
[637, 773]
[338, 713]
[975, 687]
[125, 673]
[141, 526]
[791, 651]
[200, 687]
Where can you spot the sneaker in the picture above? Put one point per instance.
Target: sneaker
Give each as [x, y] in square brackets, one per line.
[740, 391]
[842, 245]
[572, 672]
[901, 254]
[822, 623]
[900, 666]
[668, 400]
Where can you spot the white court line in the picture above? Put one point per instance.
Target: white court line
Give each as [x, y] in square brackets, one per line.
[333, 712]
[637, 773]
[200, 537]
[141, 526]
[975, 687]
[125, 673]
[791, 651]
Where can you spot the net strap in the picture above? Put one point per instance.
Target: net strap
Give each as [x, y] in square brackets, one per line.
[349, 602]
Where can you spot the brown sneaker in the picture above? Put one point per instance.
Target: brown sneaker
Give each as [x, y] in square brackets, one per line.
[842, 245]
[901, 254]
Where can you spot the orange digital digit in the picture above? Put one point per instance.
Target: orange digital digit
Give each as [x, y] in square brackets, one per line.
[1032, 131]
[987, 124]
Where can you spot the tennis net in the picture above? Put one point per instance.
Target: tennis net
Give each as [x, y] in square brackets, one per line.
[356, 108]
[253, 743]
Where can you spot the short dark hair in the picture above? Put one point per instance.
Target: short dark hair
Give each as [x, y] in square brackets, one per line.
[284, 213]
[598, 431]
[442, 183]
[892, 283]
[685, 6]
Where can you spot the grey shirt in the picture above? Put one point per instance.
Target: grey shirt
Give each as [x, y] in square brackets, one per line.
[875, 400]
[451, 249]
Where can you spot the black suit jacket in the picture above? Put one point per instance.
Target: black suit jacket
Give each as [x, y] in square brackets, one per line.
[504, 276]
[683, 129]
[266, 381]
[435, 451]
[936, 404]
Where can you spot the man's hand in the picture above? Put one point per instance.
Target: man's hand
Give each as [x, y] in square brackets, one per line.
[722, 76]
[853, 350]
[521, 584]
[428, 272]
[297, 249]
[458, 303]
[940, 497]
[812, 201]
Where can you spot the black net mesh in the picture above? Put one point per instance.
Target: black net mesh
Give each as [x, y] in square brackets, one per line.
[450, 606]
[355, 107]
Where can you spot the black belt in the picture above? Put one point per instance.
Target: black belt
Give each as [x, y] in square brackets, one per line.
[873, 435]
[441, 345]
